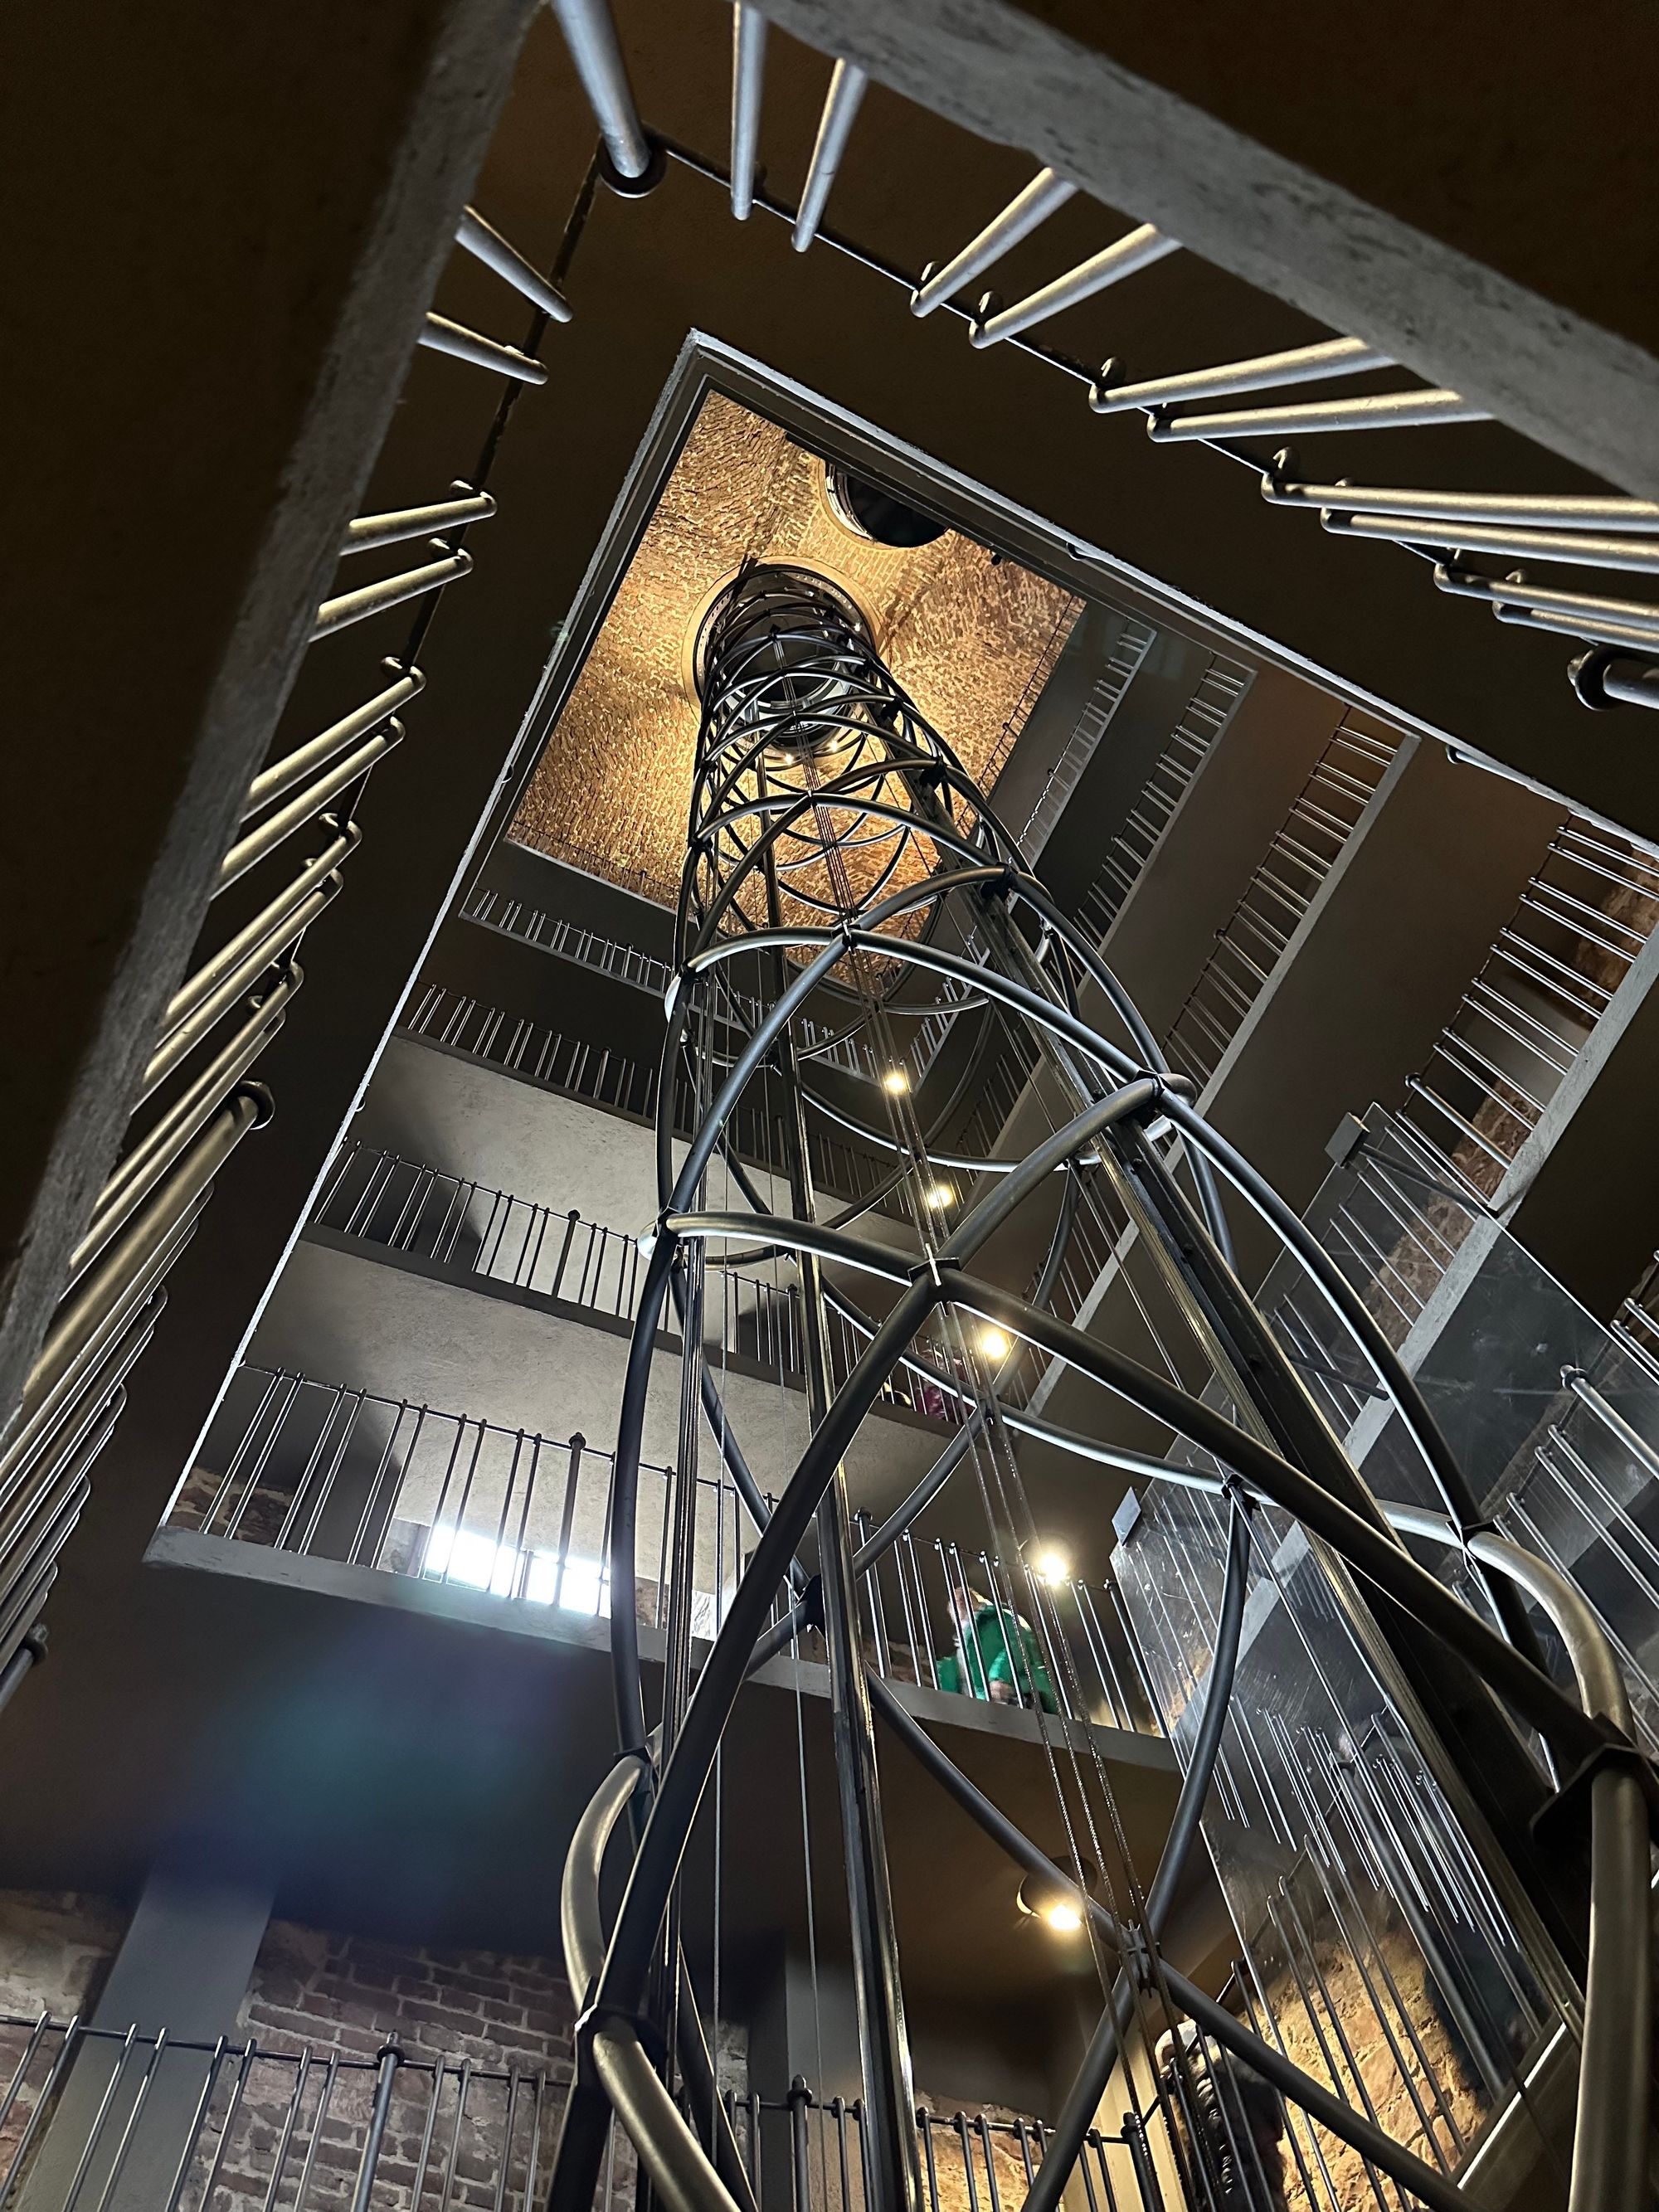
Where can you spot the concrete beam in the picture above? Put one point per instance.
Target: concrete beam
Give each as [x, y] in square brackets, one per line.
[1468, 208]
[231, 240]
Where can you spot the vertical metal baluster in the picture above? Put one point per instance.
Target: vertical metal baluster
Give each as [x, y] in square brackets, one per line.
[1105, 2166]
[246, 2058]
[489, 1248]
[1006, 1619]
[417, 2188]
[1325, 1856]
[507, 2143]
[324, 2098]
[73, 2034]
[36, 2036]
[511, 1485]
[349, 1157]
[755, 2167]
[336, 1398]
[878, 1613]
[1245, 1970]
[193, 2130]
[838, 2113]
[571, 1220]
[262, 1459]
[483, 1428]
[361, 1220]
[443, 1489]
[449, 1229]
[387, 2061]
[990, 2164]
[90, 2146]
[402, 1228]
[910, 1637]
[1293, 1962]
[671, 1481]
[532, 2157]
[1091, 1626]
[567, 1516]
[541, 1216]
[332, 1477]
[908, 1551]
[284, 2143]
[463, 2083]
[1141, 2157]
[929, 2166]
[587, 1266]
[959, 2122]
[1131, 1643]
[523, 1556]
[800, 2099]
[140, 2101]
[365, 1519]
[250, 1430]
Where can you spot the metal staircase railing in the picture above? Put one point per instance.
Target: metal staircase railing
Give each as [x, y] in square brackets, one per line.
[195, 1100]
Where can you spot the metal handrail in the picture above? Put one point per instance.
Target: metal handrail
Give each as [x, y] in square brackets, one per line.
[472, 1228]
[605, 1077]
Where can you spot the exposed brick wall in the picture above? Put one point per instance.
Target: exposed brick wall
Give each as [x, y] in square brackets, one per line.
[491, 2013]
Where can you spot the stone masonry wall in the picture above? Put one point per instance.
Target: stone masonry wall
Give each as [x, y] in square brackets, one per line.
[56, 1947]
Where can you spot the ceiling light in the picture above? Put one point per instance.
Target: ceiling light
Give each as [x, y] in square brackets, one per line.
[895, 1081]
[940, 1196]
[1051, 1566]
[993, 1344]
[1042, 1898]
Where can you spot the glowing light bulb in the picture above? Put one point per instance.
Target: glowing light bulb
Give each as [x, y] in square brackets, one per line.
[896, 1082]
[1051, 1566]
[1063, 1916]
[940, 1196]
[993, 1344]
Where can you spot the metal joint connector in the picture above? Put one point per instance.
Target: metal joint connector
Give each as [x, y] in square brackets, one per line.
[634, 188]
[588, 2023]
[1565, 1818]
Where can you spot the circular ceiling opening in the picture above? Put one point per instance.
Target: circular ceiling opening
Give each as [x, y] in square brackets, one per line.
[869, 512]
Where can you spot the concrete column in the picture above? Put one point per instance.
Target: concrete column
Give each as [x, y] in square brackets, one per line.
[235, 224]
[184, 1965]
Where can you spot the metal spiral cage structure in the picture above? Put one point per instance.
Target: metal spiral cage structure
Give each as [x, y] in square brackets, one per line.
[838, 856]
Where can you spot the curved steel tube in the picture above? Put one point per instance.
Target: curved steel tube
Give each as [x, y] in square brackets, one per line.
[1610, 2135]
[830, 699]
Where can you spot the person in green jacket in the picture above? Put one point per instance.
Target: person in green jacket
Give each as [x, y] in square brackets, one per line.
[984, 1665]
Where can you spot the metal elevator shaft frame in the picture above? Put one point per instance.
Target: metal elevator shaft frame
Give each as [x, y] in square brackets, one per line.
[829, 827]
[893, 2160]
